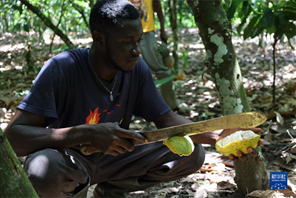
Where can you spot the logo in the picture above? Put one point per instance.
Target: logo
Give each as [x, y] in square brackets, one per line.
[278, 180]
[94, 117]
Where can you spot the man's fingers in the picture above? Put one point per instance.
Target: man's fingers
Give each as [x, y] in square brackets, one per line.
[113, 152]
[256, 130]
[242, 156]
[260, 142]
[232, 157]
[126, 145]
[132, 135]
[120, 149]
[239, 153]
[252, 152]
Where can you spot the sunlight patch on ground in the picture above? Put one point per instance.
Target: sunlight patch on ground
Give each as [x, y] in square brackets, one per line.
[3, 125]
[6, 68]
[11, 47]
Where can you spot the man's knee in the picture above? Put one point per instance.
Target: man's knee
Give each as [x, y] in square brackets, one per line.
[41, 168]
[196, 159]
[55, 173]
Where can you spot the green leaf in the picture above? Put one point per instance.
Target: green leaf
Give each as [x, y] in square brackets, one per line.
[271, 30]
[22, 93]
[61, 48]
[290, 30]
[19, 8]
[246, 9]
[232, 9]
[228, 2]
[279, 19]
[290, 44]
[164, 80]
[185, 57]
[27, 26]
[256, 4]
[248, 31]
[244, 15]
[17, 26]
[56, 6]
[267, 19]
[258, 30]
[279, 118]
[289, 14]
[178, 84]
[289, 10]
[205, 115]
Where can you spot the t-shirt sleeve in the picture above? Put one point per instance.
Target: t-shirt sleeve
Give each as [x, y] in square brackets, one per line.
[46, 92]
[150, 104]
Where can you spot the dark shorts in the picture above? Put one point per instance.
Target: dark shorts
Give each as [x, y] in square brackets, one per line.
[59, 172]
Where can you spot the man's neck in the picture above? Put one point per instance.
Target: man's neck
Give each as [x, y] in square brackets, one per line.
[100, 68]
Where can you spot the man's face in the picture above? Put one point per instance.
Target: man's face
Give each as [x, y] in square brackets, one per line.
[123, 45]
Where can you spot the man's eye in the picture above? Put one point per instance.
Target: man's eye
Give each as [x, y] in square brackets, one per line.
[126, 42]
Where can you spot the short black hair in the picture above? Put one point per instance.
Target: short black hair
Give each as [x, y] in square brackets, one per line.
[106, 13]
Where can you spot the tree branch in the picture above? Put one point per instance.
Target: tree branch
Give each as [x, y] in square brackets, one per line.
[81, 11]
[48, 23]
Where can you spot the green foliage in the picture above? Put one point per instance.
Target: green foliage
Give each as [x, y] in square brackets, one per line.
[61, 48]
[22, 93]
[185, 15]
[256, 16]
[163, 49]
[162, 81]
[19, 18]
[185, 57]
[250, 17]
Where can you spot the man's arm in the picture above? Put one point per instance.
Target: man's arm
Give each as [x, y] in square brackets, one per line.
[27, 133]
[157, 8]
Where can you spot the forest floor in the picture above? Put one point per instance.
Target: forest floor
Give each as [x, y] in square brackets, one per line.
[195, 89]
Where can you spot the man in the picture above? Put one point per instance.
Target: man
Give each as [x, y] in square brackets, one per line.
[88, 97]
[149, 49]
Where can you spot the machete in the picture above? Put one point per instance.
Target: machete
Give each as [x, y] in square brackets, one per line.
[240, 120]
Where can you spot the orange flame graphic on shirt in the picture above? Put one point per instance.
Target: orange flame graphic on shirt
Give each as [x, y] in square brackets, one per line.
[94, 117]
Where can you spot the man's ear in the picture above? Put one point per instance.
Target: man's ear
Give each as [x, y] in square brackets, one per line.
[98, 38]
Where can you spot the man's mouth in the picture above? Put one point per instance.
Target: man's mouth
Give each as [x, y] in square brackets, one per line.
[133, 59]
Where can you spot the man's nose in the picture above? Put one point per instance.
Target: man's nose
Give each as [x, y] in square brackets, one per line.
[136, 50]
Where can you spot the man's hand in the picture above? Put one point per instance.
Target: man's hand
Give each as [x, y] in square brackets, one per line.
[163, 36]
[240, 154]
[111, 139]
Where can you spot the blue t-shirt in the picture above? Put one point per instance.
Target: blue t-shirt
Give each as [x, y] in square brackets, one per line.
[68, 93]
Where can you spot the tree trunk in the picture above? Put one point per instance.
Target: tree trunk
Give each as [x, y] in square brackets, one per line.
[215, 31]
[1, 26]
[48, 22]
[276, 38]
[174, 26]
[14, 181]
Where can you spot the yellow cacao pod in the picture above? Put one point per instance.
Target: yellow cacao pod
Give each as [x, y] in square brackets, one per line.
[181, 145]
[238, 141]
